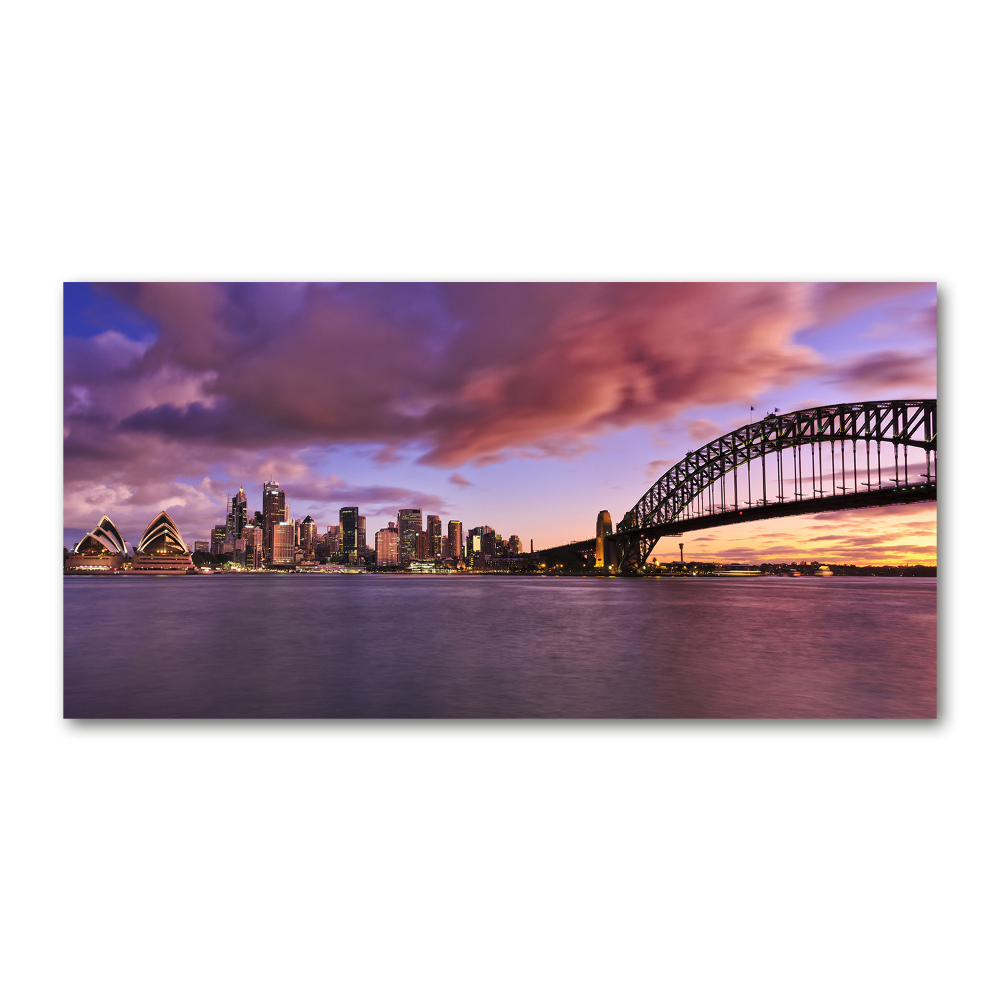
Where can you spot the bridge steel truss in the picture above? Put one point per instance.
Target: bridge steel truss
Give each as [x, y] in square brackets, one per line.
[687, 492]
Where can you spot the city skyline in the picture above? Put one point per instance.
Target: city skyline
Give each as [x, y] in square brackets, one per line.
[526, 406]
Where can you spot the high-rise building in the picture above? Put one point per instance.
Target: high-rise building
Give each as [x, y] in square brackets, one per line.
[362, 537]
[454, 539]
[274, 513]
[307, 536]
[411, 521]
[253, 538]
[218, 538]
[387, 546]
[333, 540]
[481, 544]
[283, 544]
[433, 536]
[423, 547]
[349, 533]
[514, 547]
[239, 512]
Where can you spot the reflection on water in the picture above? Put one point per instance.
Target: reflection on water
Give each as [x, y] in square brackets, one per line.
[382, 646]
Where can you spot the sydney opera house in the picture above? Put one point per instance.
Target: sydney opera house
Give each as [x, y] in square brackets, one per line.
[100, 549]
[160, 550]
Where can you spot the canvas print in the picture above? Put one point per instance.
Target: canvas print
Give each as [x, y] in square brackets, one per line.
[500, 500]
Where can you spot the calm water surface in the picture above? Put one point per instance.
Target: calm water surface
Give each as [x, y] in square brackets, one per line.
[381, 646]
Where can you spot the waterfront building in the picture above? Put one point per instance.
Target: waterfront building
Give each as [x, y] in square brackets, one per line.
[349, 534]
[161, 548]
[203, 546]
[362, 537]
[387, 546]
[283, 544]
[274, 513]
[455, 539]
[410, 521]
[102, 549]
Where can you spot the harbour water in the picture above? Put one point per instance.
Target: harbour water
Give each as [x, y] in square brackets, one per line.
[400, 646]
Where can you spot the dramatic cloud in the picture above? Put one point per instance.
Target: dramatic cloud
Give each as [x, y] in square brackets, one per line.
[462, 373]
[887, 371]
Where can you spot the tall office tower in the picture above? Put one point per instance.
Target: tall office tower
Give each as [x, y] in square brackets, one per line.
[239, 512]
[514, 546]
[423, 549]
[254, 539]
[433, 536]
[411, 522]
[218, 537]
[489, 541]
[258, 520]
[274, 513]
[298, 536]
[333, 540]
[362, 537]
[349, 533]
[387, 546]
[454, 539]
[283, 544]
[307, 536]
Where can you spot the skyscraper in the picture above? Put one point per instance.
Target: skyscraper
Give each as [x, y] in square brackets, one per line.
[387, 546]
[349, 533]
[411, 520]
[333, 541]
[239, 512]
[307, 536]
[433, 536]
[274, 513]
[454, 539]
[362, 537]
[283, 544]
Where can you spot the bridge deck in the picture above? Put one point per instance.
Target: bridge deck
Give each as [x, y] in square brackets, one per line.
[912, 493]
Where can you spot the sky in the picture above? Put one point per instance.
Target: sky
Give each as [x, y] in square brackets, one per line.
[528, 407]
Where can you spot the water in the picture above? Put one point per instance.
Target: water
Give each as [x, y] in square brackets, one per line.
[381, 646]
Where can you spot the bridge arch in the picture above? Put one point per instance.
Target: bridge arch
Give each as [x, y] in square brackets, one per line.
[696, 486]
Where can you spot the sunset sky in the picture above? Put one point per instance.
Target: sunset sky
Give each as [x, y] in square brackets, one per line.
[525, 406]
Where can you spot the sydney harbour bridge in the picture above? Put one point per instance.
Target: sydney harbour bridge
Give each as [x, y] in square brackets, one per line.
[843, 457]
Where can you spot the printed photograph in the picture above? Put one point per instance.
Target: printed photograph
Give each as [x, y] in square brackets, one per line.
[500, 500]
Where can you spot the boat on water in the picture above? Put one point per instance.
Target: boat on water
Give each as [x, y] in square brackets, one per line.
[824, 571]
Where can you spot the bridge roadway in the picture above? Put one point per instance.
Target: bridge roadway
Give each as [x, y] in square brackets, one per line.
[581, 553]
